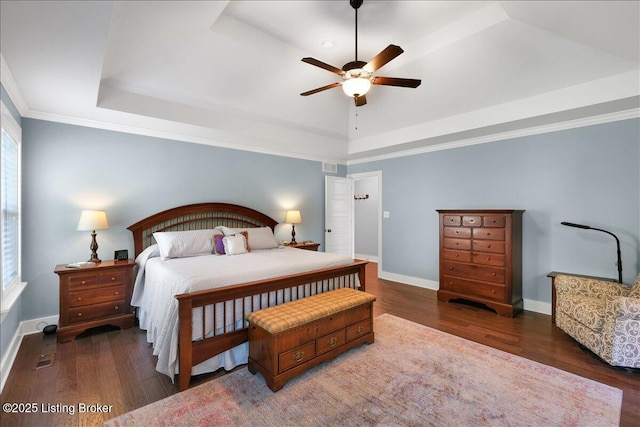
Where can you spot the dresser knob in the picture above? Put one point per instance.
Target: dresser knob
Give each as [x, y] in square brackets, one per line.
[488, 246]
[488, 234]
[488, 258]
[116, 307]
[457, 255]
[113, 278]
[79, 314]
[493, 274]
[79, 298]
[493, 292]
[450, 268]
[116, 293]
[83, 282]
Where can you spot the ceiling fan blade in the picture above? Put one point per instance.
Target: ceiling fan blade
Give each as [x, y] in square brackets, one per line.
[394, 81]
[320, 89]
[321, 64]
[360, 100]
[383, 57]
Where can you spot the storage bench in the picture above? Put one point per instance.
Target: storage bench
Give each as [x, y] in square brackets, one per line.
[288, 339]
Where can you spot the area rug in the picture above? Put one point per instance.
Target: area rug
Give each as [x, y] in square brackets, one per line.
[411, 376]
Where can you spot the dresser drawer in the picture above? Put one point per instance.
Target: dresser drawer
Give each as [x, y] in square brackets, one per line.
[297, 356]
[95, 296]
[488, 233]
[451, 220]
[112, 277]
[472, 221]
[460, 256]
[488, 246]
[489, 259]
[458, 232]
[493, 221]
[329, 342]
[96, 311]
[82, 281]
[459, 244]
[475, 272]
[359, 329]
[472, 288]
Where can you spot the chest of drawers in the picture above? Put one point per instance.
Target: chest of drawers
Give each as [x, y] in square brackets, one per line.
[95, 296]
[481, 258]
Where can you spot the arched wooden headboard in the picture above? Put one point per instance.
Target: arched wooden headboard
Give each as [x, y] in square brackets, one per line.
[196, 217]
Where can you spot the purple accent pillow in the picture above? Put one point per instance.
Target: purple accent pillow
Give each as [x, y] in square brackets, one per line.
[218, 245]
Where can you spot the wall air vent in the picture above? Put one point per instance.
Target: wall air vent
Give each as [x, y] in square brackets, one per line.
[329, 167]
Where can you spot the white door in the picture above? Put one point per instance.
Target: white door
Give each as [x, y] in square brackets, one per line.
[338, 214]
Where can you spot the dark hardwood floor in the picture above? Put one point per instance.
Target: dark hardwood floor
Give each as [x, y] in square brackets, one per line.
[117, 368]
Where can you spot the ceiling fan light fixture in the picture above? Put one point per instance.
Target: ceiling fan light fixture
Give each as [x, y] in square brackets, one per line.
[356, 86]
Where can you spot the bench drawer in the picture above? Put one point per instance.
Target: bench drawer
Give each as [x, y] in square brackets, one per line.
[329, 342]
[359, 329]
[297, 356]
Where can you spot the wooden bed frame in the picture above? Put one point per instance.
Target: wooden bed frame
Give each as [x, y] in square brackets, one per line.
[210, 215]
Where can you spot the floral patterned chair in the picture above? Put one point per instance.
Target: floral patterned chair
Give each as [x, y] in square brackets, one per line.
[603, 316]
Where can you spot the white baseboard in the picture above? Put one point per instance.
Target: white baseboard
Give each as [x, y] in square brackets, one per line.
[529, 305]
[409, 280]
[26, 327]
[371, 258]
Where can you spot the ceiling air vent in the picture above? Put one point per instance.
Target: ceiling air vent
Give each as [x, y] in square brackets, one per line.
[329, 167]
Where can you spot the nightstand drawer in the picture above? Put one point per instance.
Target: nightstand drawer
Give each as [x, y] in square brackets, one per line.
[112, 276]
[96, 296]
[82, 281]
[96, 311]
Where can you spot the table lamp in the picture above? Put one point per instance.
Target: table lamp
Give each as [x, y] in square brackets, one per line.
[293, 218]
[93, 220]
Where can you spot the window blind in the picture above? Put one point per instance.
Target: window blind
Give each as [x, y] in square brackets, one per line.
[10, 213]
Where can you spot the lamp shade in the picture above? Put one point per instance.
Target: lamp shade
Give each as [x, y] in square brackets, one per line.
[356, 86]
[293, 217]
[93, 220]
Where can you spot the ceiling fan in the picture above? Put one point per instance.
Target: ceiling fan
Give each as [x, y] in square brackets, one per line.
[357, 76]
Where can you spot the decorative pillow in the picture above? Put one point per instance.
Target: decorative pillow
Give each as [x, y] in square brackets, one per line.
[179, 244]
[235, 245]
[635, 289]
[218, 244]
[261, 238]
[226, 230]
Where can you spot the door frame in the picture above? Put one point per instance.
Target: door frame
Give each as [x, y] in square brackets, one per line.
[378, 174]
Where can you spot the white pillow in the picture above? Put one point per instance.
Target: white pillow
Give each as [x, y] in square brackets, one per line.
[179, 244]
[235, 245]
[261, 238]
[226, 230]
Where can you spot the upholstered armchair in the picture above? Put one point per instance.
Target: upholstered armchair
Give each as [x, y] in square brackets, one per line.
[603, 316]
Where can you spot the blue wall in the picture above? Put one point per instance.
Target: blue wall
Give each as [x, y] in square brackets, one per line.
[588, 175]
[70, 168]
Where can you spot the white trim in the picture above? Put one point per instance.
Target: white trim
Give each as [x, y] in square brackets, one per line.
[367, 257]
[9, 297]
[536, 130]
[163, 134]
[27, 327]
[11, 87]
[537, 306]
[10, 357]
[371, 174]
[409, 280]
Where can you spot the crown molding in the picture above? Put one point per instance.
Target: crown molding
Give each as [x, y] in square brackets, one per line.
[536, 130]
[9, 83]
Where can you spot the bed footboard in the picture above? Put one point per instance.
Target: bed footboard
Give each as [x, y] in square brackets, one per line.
[235, 302]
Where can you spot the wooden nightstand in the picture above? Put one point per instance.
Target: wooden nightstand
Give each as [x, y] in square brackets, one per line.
[95, 296]
[310, 246]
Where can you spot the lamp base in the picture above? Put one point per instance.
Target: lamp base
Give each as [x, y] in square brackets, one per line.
[293, 234]
[94, 248]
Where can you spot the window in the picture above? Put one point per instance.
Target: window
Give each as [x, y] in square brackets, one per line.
[10, 202]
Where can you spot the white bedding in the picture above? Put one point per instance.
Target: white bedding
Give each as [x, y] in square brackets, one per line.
[158, 281]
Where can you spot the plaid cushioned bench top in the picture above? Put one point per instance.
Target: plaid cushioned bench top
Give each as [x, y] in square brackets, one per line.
[295, 313]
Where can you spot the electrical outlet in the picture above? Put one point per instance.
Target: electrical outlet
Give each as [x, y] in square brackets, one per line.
[385, 214]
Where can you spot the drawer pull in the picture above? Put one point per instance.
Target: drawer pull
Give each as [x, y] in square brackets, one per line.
[113, 278]
[116, 293]
[116, 307]
[493, 274]
[332, 341]
[488, 234]
[79, 298]
[457, 255]
[298, 356]
[450, 268]
[359, 330]
[83, 282]
[489, 245]
[79, 314]
[488, 258]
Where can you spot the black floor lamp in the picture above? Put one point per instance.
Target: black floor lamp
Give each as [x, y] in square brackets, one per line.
[587, 227]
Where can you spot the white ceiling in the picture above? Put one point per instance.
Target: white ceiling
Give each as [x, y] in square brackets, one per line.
[228, 73]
